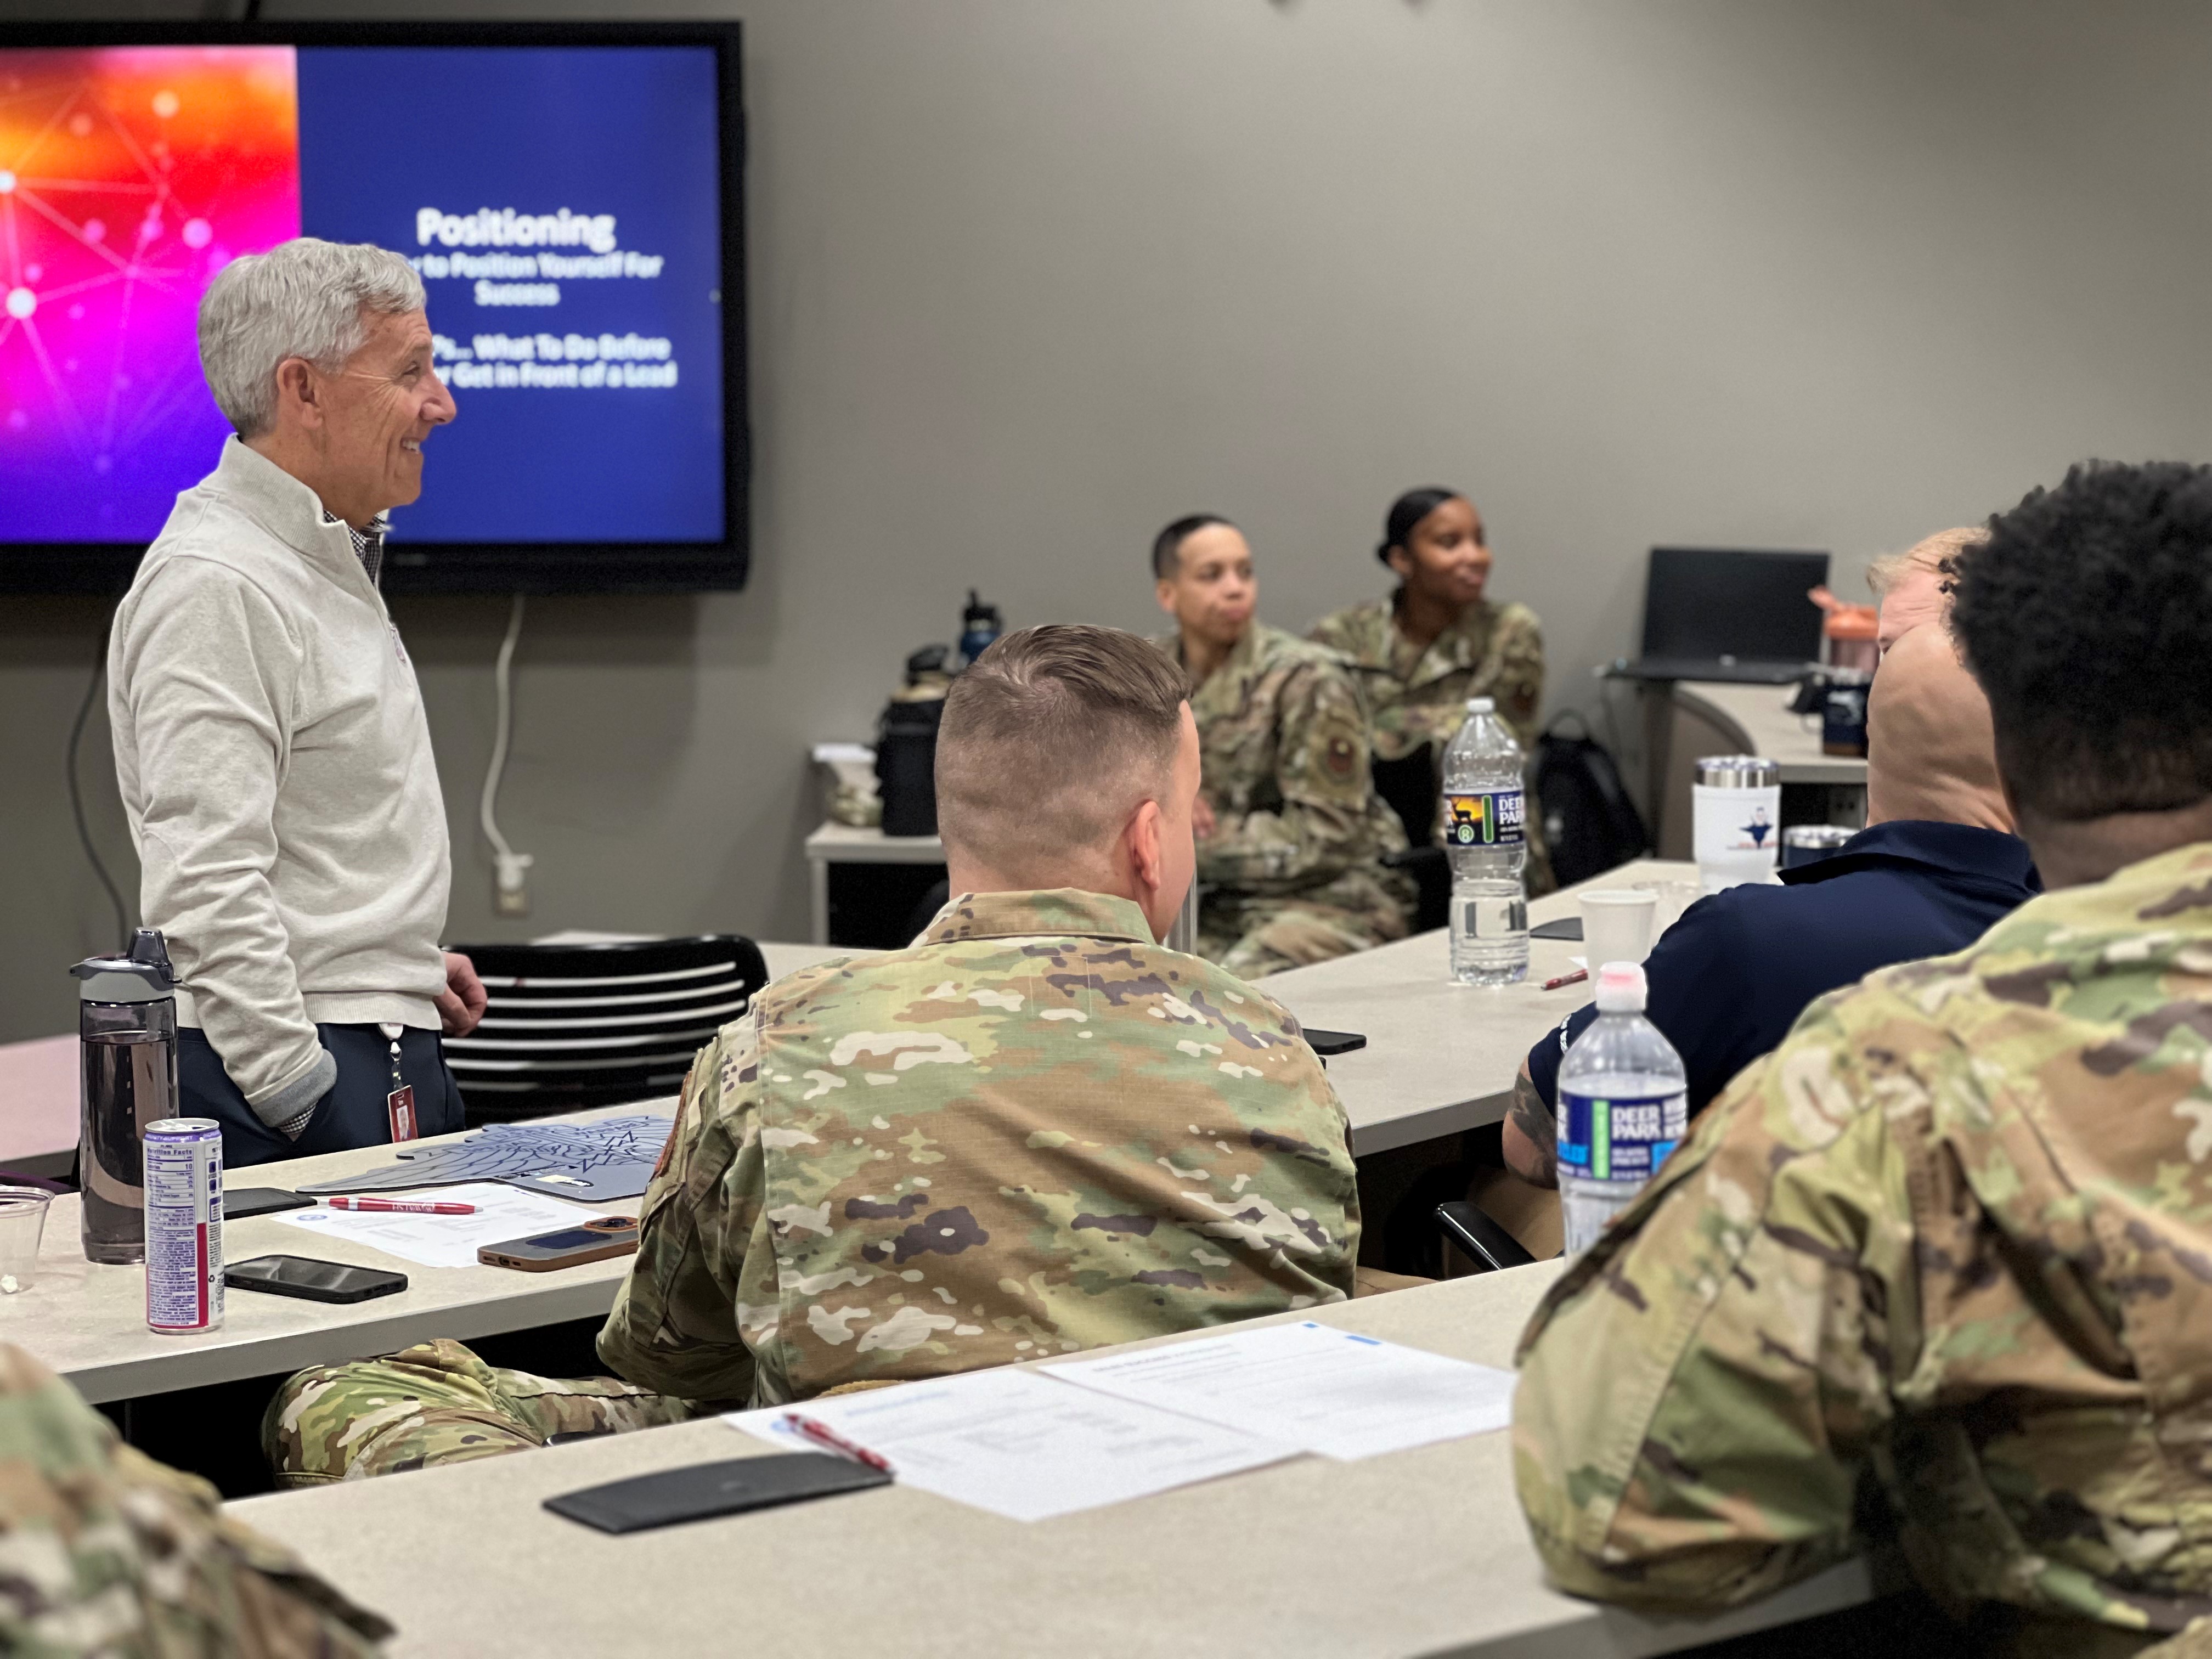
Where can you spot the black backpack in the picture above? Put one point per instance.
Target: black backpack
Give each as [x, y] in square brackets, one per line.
[1591, 825]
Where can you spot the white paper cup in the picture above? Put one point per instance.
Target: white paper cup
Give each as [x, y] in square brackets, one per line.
[1617, 926]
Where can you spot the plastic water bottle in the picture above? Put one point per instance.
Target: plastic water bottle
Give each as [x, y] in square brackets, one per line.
[1623, 1104]
[1487, 837]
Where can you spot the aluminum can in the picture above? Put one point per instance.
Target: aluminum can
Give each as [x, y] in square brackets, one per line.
[184, 1224]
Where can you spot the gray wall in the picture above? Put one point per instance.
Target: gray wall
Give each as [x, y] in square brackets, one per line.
[1030, 277]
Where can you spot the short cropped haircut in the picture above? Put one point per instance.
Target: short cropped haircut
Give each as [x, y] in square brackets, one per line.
[2086, 616]
[305, 298]
[1050, 739]
[1166, 546]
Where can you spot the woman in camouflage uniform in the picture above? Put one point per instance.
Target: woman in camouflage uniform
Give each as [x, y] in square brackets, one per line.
[1438, 640]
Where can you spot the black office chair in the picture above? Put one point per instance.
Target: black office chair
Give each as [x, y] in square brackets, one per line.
[926, 907]
[1409, 785]
[1480, 1239]
[576, 1026]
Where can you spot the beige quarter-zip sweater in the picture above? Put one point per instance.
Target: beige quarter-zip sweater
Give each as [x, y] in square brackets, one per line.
[275, 765]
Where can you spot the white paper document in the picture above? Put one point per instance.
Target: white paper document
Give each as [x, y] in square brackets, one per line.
[1022, 1445]
[1310, 1385]
[444, 1241]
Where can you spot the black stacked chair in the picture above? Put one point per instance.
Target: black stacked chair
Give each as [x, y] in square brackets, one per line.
[1409, 786]
[576, 1026]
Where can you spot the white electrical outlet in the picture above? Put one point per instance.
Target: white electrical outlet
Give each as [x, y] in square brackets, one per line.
[511, 892]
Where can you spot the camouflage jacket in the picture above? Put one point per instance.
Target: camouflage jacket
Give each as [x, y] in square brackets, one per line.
[1954, 1236]
[1283, 753]
[104, 1551]
[1032, 1132]
[1419, 696]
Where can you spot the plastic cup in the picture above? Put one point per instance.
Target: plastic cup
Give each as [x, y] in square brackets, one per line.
[22, 1224]
[1617, 926]
[1675, 898]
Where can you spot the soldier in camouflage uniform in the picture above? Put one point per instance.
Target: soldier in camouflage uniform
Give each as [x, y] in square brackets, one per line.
[1952, 1242]
[1421, 653]
[1291, 866]
[105, 1552]
[1033, 1132]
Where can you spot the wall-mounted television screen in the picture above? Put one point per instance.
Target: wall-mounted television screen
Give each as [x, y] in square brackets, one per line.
[571, 195]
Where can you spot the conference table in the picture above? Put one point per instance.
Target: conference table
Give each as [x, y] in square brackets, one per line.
[39, 1105]
[39, 1078]
[1441, 1057]
[88, 1321]
[1759, 719]
[1420, 1551]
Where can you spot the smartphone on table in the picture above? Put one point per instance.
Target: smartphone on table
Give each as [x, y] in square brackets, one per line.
[602, 1236]
[312, 1280]
[242, 1201]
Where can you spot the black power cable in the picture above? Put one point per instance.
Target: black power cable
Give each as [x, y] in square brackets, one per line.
[76, 796]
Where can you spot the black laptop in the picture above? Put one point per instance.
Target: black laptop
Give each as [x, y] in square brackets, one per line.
[1728, 613]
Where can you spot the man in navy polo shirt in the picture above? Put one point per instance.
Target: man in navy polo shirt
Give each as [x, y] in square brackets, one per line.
[1936, 867]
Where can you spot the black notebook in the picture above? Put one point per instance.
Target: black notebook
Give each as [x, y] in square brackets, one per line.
[706, 1489]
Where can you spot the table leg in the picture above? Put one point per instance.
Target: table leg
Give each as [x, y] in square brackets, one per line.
[817, 885]
[1657, 697]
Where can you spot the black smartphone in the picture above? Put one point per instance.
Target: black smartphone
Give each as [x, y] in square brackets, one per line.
[1326, 1043]
[261, 1201]
[314, 1281]
[706, 1489]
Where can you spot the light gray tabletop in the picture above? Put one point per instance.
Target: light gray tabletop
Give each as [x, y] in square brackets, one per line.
[88, 1321]
[39, 1104]
[38, 1078]
[847, 843]
[1416, 1552]
[1441, 1056]
[782, 959]
[1762, 714]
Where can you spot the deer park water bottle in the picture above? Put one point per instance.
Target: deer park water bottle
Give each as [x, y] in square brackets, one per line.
[1623, 1104]
[1486, 837]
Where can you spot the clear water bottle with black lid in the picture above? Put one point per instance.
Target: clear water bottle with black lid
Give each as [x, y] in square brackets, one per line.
[1485, 836]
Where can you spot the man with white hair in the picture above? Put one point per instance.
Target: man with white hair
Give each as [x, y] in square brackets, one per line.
[270, 740]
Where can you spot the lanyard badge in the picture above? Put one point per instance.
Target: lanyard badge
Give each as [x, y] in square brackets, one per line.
[400, 1104]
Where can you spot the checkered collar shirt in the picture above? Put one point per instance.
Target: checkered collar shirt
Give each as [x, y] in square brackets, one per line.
[368, 545]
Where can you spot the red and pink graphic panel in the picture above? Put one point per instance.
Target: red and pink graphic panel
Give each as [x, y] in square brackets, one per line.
[128, 178]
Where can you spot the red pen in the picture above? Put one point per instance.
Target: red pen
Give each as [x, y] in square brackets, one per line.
[1566, 979]
[402, 1206]
[827, 1437]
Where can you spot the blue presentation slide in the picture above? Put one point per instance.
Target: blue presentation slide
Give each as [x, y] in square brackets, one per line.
[564, 207]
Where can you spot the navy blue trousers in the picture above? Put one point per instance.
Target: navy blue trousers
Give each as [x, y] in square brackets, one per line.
[353, 1114]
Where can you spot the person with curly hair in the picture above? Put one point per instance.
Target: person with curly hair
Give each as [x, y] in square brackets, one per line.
[1946, 1253]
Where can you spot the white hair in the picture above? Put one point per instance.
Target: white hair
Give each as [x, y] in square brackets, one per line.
[305, 298]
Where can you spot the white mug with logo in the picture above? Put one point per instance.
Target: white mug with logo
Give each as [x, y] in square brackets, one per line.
[1735, 810]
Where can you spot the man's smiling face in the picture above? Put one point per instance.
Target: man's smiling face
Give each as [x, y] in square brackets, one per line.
[378, 408]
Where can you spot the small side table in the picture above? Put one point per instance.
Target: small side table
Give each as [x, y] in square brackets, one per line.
[841, 843]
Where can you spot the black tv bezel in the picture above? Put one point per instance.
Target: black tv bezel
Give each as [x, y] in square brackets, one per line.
[478, 567]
